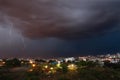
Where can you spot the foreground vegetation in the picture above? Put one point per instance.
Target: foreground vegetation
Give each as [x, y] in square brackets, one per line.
[82, 71]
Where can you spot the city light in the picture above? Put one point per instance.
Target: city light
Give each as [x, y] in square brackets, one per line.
[3, 62]
[33, 65]
[58, 65]
[46, 66]
[30, 70]
[31, 62]
[72, 67]
[51, 68]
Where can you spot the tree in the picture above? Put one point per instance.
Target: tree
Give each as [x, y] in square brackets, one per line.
[13, 63]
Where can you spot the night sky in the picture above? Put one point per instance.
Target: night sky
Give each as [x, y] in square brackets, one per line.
[59, 28]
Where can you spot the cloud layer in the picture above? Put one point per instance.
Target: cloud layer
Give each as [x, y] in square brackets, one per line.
[60, 18]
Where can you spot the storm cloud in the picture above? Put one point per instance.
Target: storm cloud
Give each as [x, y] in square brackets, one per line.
[37, 19]
[50, 28]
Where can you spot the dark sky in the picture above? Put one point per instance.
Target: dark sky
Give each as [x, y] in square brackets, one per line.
[55, 28]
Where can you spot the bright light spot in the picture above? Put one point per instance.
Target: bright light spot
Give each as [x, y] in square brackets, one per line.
[31, 62]
[58, 65]
[72, 67]
[33, 65]
[3, 62]
[51, 68]
[46, 66]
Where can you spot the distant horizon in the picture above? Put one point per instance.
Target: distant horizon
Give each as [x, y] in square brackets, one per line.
[39, 57]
